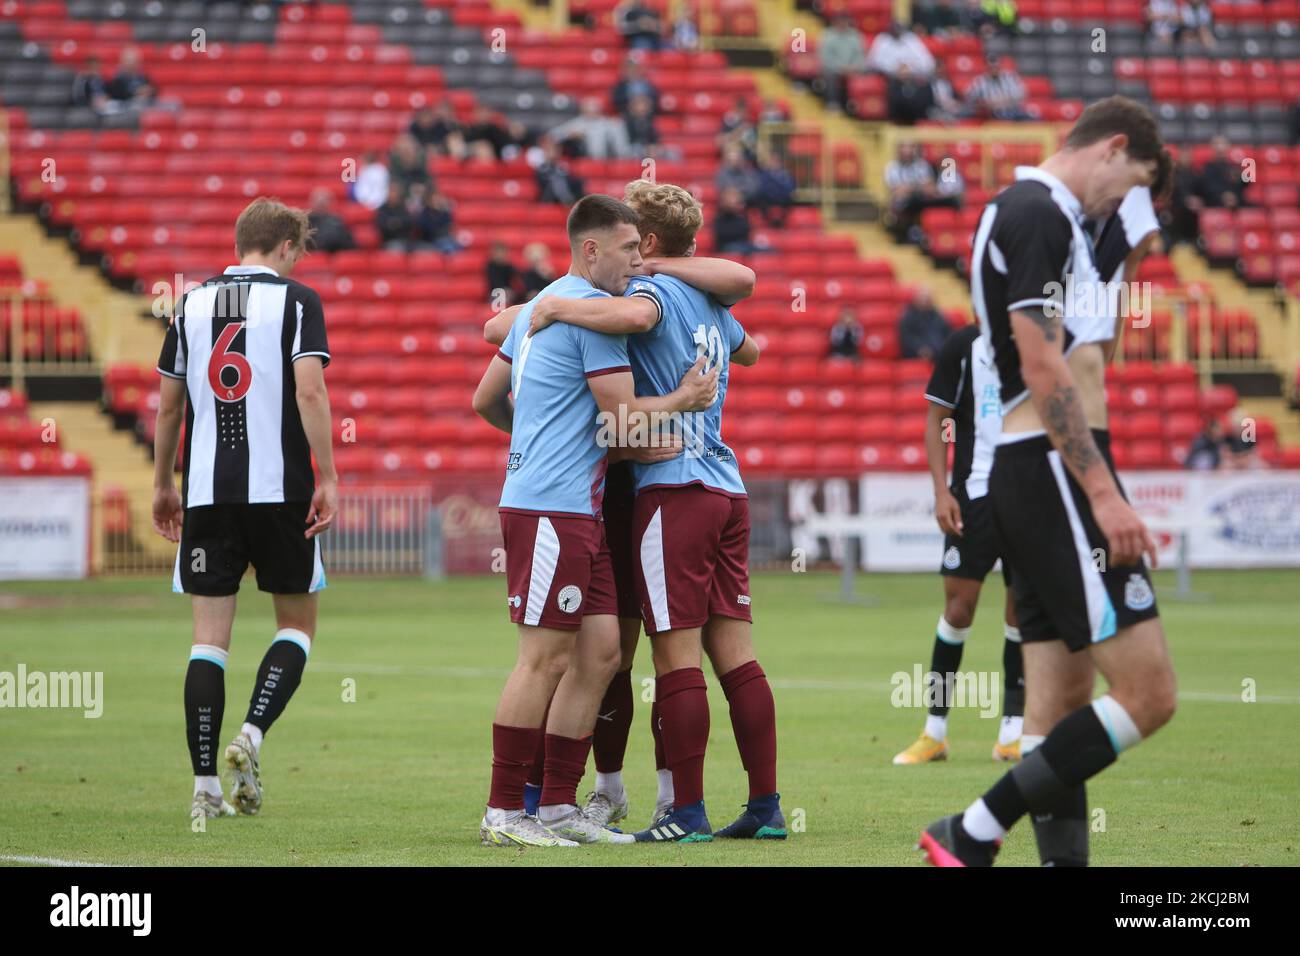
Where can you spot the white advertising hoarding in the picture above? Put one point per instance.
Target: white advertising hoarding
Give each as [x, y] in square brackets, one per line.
[44, 528]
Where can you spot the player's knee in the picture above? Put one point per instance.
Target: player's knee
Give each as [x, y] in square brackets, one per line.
[959, 612]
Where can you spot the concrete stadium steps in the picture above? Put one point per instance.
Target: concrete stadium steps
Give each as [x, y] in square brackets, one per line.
[121, 463]
[117, 332]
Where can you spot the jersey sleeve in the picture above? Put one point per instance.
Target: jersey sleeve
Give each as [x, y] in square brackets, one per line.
[945, 380]
[507, 349]
[646, 289]
[734, 330]
[171, 361]
[1034, 240]
[601, 354]
[310, 337]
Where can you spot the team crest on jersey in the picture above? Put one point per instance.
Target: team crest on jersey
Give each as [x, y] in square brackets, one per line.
[952, 558]
[1137, 593]
[514, 600]
[569, 599]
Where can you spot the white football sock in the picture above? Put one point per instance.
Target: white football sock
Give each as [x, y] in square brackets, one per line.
[980, 822]
[208, 785]
[666, 793]
[936, 727]
[254, 734]
[1029, 743]
[1010, 730]
[610, 784]
[554, 811]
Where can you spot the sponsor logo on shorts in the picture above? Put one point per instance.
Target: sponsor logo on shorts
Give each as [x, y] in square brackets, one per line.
[1137, 593]
[952, 558]
[569, 599]
[514, 600]
[742, 599]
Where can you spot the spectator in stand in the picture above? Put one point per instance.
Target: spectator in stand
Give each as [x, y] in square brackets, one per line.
[899, 46]
[329, 232]
[371, 187]
[540, 273]
[129, 86]
[632, 83]
[846, 336]
[775, 192]
[1241, 448]
[592, 134]
[731, 232]
[998, 92]
[639, 25]
[89, 89]
[408, 164]
[502, 276]
[433, 224]
[1181, 217]
[437, 130]
[939, 18]
[736, 173]
[1001, 16]
[737, 129]
[393, 220]
[1198, 24]
[1207, 448]
[642, 136]
[486, 138]
[948, 106]
[910, 97]
[686, 34]
[842, 53]
[1220, 185]
[922, 328]
[912, 188]
[770, 111]
[974, 20]
[555, 182]
[1164, 22]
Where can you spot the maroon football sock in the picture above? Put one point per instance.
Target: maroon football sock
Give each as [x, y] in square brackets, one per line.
[658, 735]
[566, 761]
[684, 722]
[512, 754]
[613, 724]
[753, 718]
[538, 768]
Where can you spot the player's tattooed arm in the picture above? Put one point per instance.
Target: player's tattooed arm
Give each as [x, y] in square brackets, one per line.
[612, 315]
[497, 328]
[725, 280]
[492, 397]
[1067, 426]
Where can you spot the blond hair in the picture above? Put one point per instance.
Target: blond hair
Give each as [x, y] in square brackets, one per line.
[265, 223]
[668, 211]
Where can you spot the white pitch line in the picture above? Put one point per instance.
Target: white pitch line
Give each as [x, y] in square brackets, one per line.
[777, 682]
[47, 861]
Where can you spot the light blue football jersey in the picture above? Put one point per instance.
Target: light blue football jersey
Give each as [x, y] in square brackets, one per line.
[555, 465]
[691, 324]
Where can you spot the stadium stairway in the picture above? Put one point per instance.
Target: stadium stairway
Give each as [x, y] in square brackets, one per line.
[116, 332]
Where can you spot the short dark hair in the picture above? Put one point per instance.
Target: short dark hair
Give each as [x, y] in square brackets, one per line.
[1115, 115]
[598, 212]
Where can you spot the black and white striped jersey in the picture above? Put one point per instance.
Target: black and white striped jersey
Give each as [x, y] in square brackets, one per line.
[1031, 253]
[1121, 233]
[965, 380]
[234, 340]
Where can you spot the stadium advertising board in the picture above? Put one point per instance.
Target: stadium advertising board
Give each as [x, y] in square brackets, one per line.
[44, 528]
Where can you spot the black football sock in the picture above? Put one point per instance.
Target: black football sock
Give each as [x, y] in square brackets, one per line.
[205, 703]
[278, 677]
[945, 659]
[1078, 748]
[1013, 676]
[1062, 831]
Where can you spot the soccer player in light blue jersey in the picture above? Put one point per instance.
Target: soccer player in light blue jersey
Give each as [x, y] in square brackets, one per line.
[561, 591]
[691, 526]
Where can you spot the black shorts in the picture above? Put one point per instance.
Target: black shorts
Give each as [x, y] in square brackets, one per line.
[973, 555]
[1065, 588]
[219, 542]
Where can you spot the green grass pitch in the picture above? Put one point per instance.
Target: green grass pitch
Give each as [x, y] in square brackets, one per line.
[400, 775]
